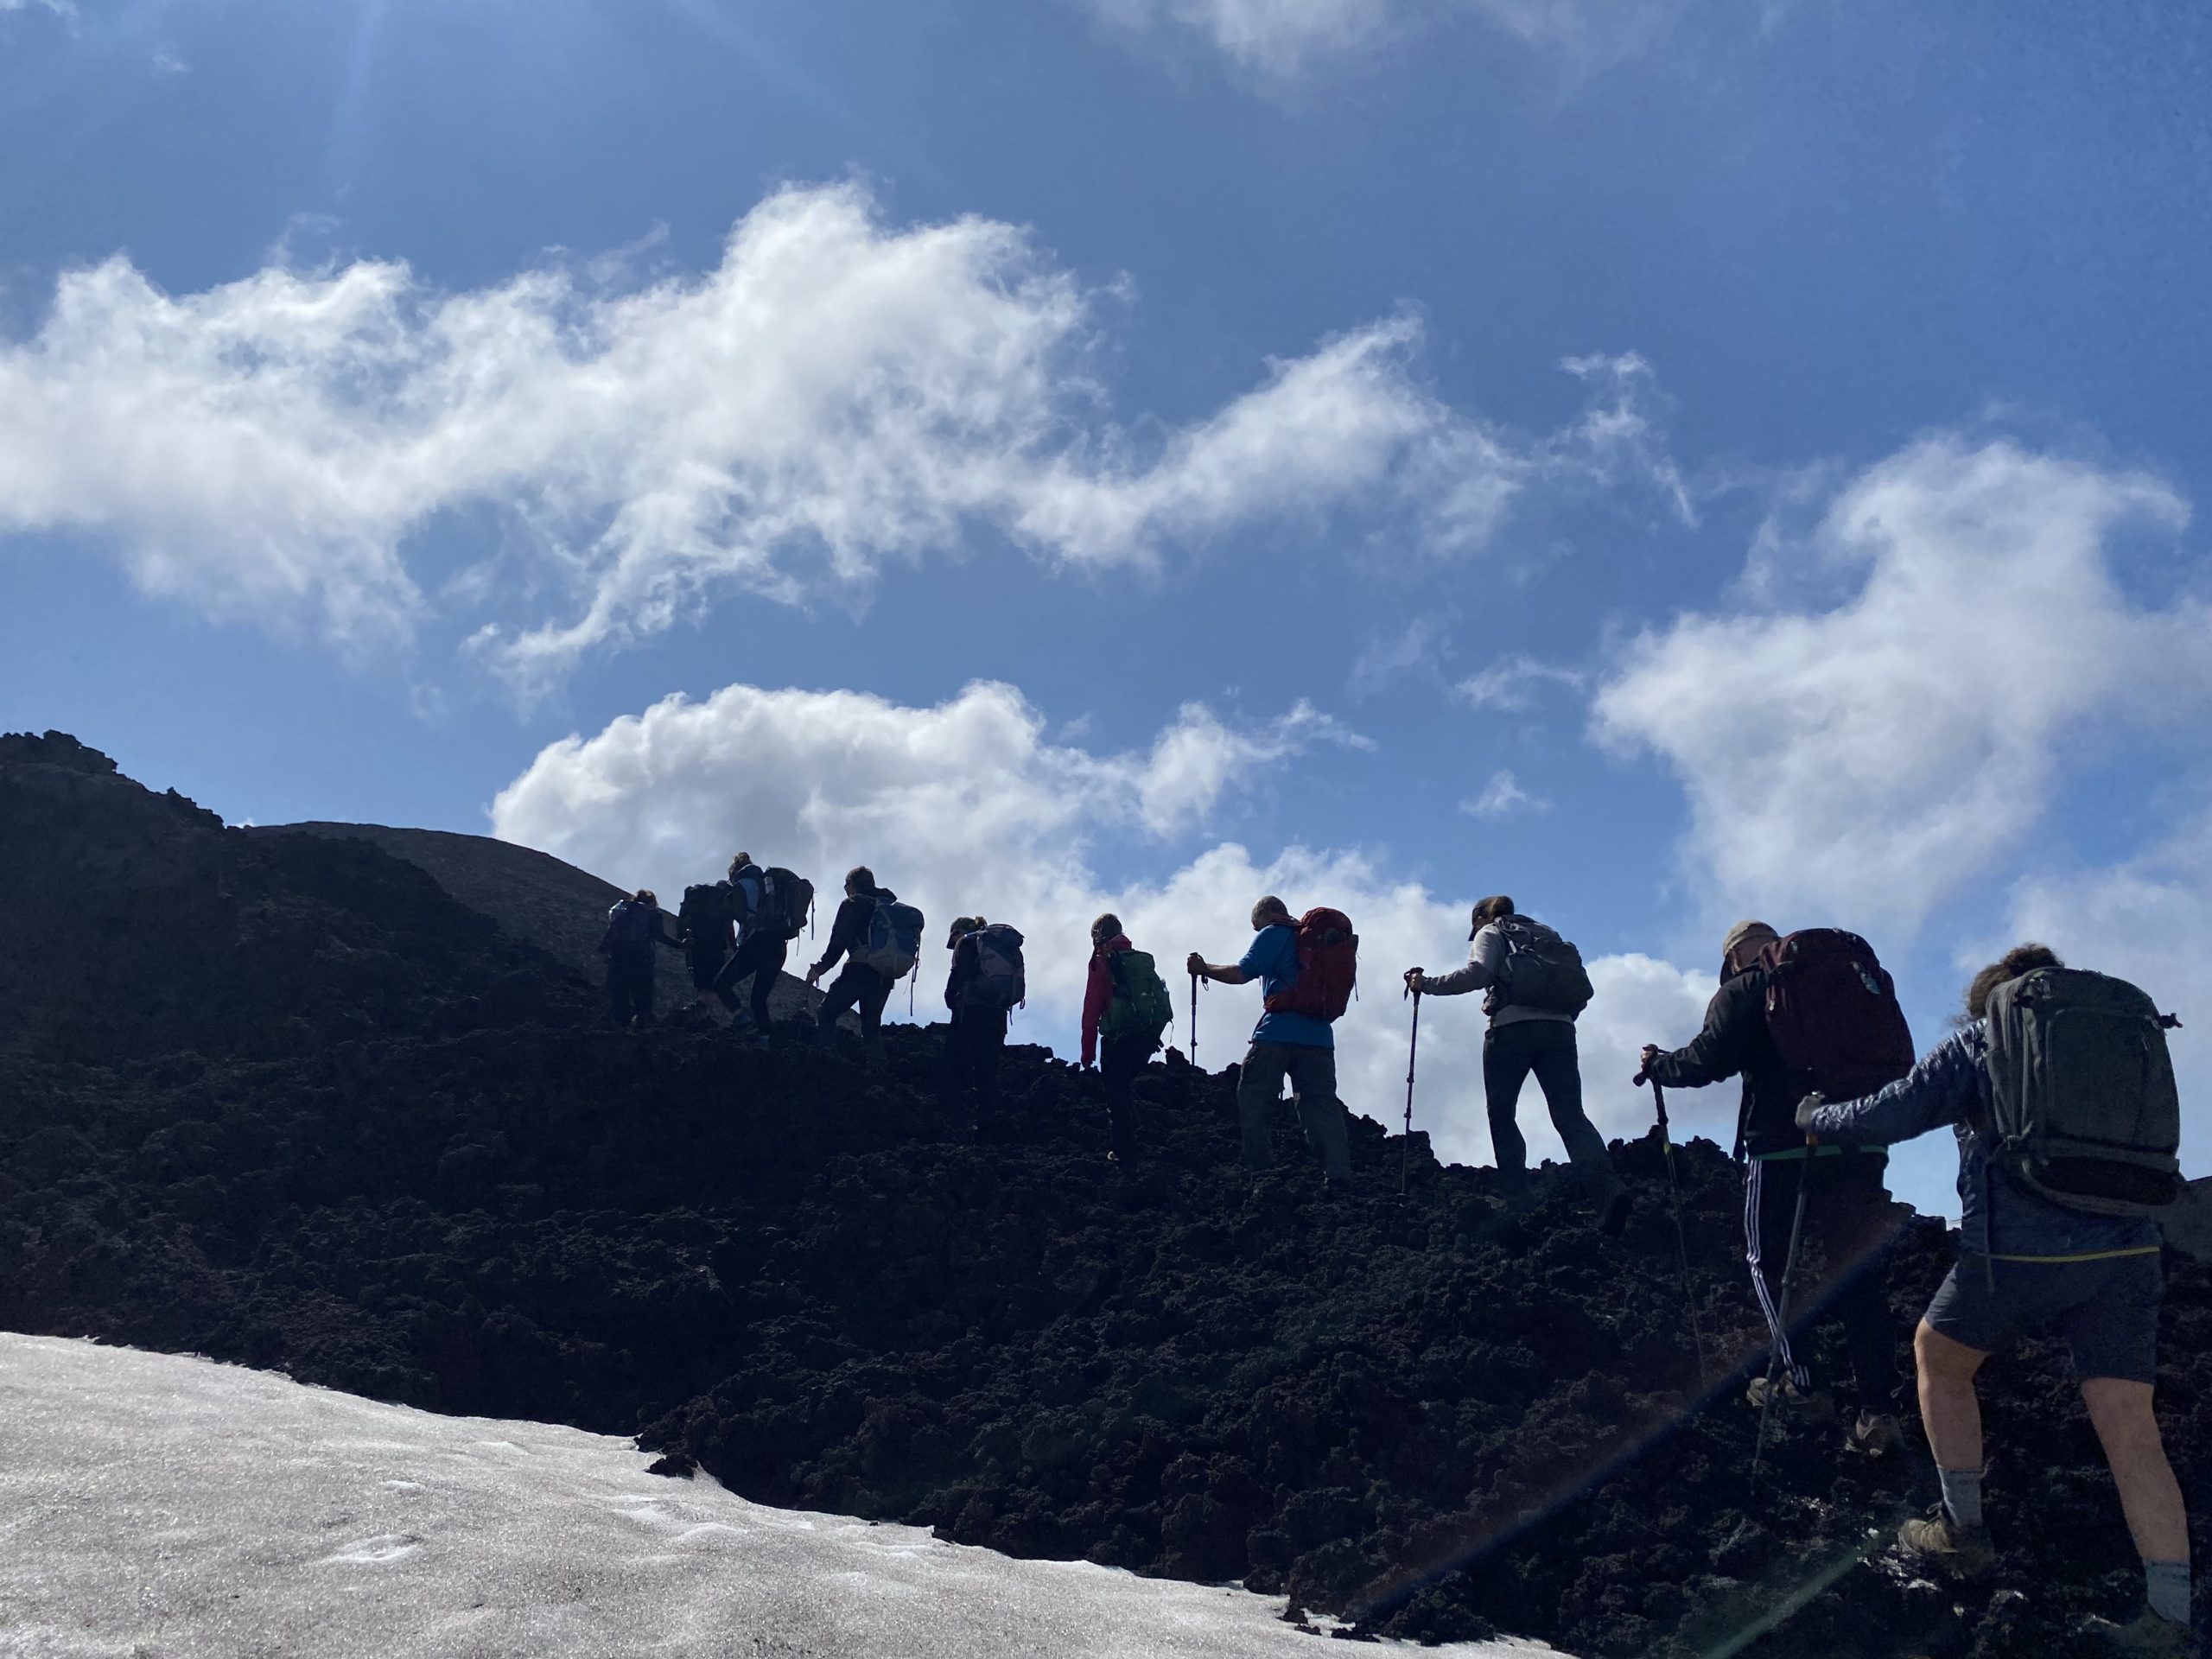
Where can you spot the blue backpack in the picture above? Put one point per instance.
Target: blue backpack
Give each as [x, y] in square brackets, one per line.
[893, 942]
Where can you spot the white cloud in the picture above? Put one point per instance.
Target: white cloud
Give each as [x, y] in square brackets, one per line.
[836, 393]
[967, 806]
[1511, 683]
[1282, 37]
[1502, 796]
[1867, 759]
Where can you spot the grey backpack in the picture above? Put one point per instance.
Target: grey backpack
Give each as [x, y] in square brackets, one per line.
[2084, 1107]
[1542, 971]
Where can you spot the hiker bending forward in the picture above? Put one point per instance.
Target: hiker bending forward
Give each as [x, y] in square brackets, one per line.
[1843, 1265]
[975, 1040]
[1285, 1045]
[2026, 1261]
[1524, 1038]
[635, 926]
[761, 944]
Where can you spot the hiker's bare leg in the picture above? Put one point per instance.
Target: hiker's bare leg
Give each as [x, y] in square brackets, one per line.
[2149, 1495]
[1949, 1409]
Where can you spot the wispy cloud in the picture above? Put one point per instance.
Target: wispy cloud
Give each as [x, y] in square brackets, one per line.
[1503, 797]
[1512, 685]
[837, 393]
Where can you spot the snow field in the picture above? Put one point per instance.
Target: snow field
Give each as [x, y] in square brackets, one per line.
[160, 1507]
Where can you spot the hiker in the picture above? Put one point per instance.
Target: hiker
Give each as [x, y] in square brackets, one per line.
[1849, 1221]
[987, 982]
[770, 906]
[706, 926]
[1532, 987]
[635, 926]
[1126, 1007]
[2065, 1155]
[1293, 1040]
[879, 939]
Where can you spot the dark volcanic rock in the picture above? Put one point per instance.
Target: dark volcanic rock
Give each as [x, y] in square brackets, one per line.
[284, 1100]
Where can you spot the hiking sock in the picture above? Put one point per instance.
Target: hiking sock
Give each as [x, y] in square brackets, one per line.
[2165, 1586]
[1962, 1496]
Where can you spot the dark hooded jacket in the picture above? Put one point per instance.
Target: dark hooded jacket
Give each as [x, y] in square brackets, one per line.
[1736, 1043]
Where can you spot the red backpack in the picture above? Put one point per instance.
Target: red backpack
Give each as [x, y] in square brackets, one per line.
[1328, 965]
[1833, 1011]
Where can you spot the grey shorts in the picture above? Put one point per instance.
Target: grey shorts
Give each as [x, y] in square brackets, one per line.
[2107, 1311]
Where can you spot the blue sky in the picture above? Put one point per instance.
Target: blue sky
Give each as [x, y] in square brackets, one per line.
[1668, 460]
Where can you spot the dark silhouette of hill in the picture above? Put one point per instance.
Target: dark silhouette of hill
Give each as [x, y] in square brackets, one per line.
[536, 897]
[284, 1099]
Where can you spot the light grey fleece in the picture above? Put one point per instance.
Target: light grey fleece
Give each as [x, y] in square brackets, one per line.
[1485, 958]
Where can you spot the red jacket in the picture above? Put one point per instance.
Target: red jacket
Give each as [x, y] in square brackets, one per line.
[1098, 992]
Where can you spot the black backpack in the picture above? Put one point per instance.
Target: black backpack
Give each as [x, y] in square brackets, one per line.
[786, 901]
[706, 908]
[2083, 1104]
[629, 926]
[1542, 971]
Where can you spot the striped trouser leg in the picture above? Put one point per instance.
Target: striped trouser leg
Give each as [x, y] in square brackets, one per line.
[1755, 1217]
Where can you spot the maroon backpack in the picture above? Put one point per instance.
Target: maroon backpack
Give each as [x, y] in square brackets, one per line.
[1328, 965]
[1833, 1011]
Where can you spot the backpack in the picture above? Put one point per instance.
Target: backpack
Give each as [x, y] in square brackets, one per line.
[707, 907]
[1832, 1010]
[1142, 1005]
[999, 982]
[1328, 967]
[893, 942]
[629, 926]
[1542, 971]
[785, 902]
[2081, 1089]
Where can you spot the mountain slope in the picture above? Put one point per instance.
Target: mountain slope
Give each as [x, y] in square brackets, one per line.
[346, 1126]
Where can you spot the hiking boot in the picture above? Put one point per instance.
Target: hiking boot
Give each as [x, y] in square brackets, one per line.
[1940, 1543]
[1618, 1211]
[2147, 1634]
[1873, 1436]
[1808, 1406]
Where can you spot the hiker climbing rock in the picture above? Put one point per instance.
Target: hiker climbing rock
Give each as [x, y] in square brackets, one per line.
[1534, 987]
[1126, 1007]
[987, 982]
[880, 940]
[1850, 1223]
[635, 926]
[770, 906]
[1305, 968]
[2060, 1092]
[706, 925]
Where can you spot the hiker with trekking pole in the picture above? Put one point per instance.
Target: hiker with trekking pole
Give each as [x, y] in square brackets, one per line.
[1305, 968]
[1789, 1013]
[1682, 1234]
[1534, 987]
[2060, 1089]
[1412, 1048]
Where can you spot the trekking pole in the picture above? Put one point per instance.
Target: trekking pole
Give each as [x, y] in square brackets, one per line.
[1194, 1020]
[1412, 1048]
[1681, 1237]
[1781, 1315]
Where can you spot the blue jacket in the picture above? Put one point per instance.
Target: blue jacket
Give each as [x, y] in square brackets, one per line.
[1997, 1218]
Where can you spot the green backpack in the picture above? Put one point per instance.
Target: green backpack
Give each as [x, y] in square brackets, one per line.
[2083, 1102]
[1142, 1006]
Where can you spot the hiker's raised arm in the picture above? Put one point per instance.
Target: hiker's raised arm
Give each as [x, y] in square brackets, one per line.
[1227, 973]
[1940, 1089]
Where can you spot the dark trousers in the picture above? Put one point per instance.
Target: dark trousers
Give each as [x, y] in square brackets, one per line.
[760, 959]
[630, 985]
[1545, 1047]
[1842, 1261]
[1120, 1060]
[972, 1047]
[1313, 1074]
[858, 987]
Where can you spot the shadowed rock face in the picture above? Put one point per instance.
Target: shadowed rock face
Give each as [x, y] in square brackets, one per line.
[283, 1099]
[534, 896]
